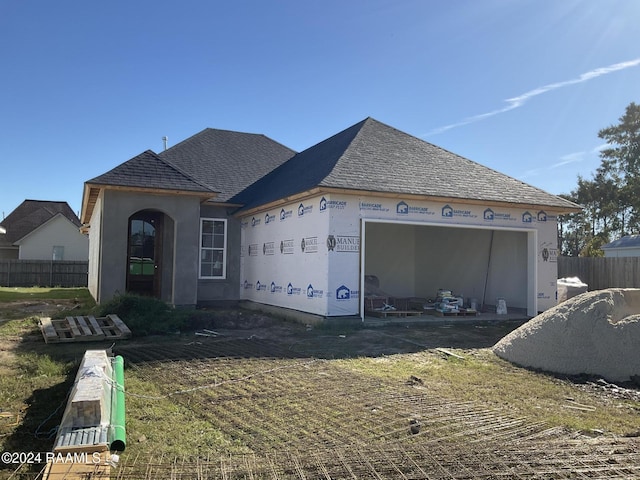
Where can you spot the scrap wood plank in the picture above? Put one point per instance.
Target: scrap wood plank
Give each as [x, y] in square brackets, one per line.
[86, 331]
[97, 330]
[75, 331]
[48, 330]
[397, 313]
[120, 324]
[89, 466]
[450, 353]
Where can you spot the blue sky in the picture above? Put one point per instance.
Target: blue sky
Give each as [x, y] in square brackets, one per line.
[519, 86]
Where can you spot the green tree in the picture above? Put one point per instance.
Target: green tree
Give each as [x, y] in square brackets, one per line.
[620, 163]
[611, 199]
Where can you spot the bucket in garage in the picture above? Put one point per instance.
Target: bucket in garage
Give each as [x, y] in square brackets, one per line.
[473, 303]
[501, 307]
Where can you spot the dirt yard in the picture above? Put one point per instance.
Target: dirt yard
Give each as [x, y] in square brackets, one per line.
[289, 402]
[262, 398]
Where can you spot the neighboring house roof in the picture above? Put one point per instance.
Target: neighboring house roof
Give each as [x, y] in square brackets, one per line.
[628, 241]
[373, 157]
[227, 162]
[30, 215]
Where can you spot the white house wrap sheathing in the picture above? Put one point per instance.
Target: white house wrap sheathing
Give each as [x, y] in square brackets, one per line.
[307, 255]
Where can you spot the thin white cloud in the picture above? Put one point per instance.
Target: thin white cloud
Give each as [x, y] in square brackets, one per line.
[570, 158]
[566, 159]
[520, 100]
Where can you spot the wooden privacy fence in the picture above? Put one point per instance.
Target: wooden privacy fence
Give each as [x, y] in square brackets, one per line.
[43, 273]
[601, 272]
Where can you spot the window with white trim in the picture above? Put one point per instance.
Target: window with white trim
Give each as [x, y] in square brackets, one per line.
[213, 248]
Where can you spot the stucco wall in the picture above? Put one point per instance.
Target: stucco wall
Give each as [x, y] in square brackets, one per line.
[212, 291]
[184, 212]
[59, 231]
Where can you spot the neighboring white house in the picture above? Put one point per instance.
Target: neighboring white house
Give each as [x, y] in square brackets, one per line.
[43, 230]
[627, 246]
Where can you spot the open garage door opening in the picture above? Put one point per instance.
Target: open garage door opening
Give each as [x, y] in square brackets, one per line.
[415, 261]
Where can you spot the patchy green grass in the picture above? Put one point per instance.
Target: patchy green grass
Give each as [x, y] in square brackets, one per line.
[12, 294]
[19, 327]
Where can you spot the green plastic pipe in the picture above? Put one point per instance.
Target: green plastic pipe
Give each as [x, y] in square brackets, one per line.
[117, 431]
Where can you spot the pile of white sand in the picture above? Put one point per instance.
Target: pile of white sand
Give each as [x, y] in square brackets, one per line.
[595, 333]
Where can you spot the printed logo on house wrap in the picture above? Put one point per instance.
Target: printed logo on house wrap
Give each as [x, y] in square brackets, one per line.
[304, 210]
[375, 207]
[255, 221]
[343, 293]
[269, 218]
[261, 286]
[291, 290]
[449, 212]
[548, 252]
[309, 245]
[275, 288]
[253, 250]
[268, 248]
[313, 293]
[247, 285]
[286, 246]
[542, 216]
[343, 243]
[284, 214]
[403, 208]
[336, 204]
[527, 217]
[489, 215]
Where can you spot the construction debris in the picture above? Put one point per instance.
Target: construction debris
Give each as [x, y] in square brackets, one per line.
[83, 329]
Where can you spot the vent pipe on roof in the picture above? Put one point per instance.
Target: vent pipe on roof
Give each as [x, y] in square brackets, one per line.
[165, 139]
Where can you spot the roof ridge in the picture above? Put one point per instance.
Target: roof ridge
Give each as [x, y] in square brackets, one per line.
[182, 172]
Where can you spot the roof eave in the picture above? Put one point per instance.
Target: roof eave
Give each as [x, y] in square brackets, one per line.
[558, 210]
[93, 190]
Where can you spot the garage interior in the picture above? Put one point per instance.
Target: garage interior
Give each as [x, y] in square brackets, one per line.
[411, 260]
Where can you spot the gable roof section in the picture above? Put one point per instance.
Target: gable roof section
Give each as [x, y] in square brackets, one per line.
[31, 214]
[148, 170]
[628, 241]
[226, 162]
[373, 157]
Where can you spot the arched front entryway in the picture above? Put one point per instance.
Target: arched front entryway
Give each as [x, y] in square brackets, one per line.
[144, 253]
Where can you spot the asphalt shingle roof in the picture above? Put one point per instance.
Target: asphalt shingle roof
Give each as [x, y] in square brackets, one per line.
[628, 241]
[374, 157]
[225, 161]
[31, 214]
[148, 170]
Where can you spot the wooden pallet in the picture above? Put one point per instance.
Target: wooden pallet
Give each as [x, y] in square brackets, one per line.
[83, 329]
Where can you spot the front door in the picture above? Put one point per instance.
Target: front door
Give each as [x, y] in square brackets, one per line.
[144, 253]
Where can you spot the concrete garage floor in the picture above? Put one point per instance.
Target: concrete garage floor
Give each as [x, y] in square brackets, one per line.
[426, 319]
